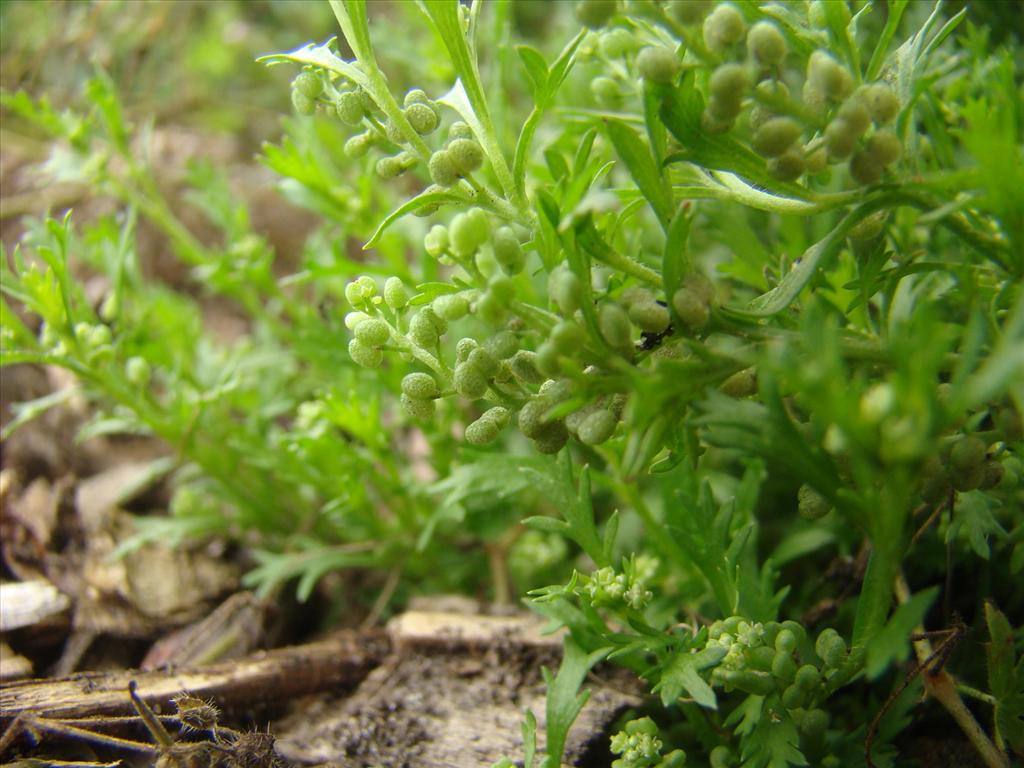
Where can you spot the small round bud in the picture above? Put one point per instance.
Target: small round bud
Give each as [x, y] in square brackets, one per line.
[884, 147]
[807, 678]
[349, 108]
[597, 427]
[691, 308]
[389, 167]
[882, 103]
[486, 429]
[308, 84]
[442, 169]
[775, 136]
[420, 386]
[507, 251]
[372, 332]
[417, 408]
[459, 130]
[415, 96]
[864, 168]
[469, 381]
[740, 384]
[491, 309]
[595, 13]
[967, 453]
[451, 306]
[613, 322]
[463, 349]
[840, 139]
[552, 438]
[567, 337]
[785, 641]
[830, 647]
[688, 12]
[855, 114]
[725, 26]
[302, 103]
[616, 43]
[606, 91]
[352, 319]
[395, 295]
[565, 290]
[728, 83]
[483, 361]
[530, 419]
[358, 145]
[524, 367]
[649, 316]
[422, 118]
[789, 166]
[766, 44]
[810, 504]
[657, 64]
[831, 77]
[547, 359]
[466, 155]
[502, 345]
[435, 242]
[422, 331]
[783, 667]
[368, 357]
[137, 371]
[468, 231]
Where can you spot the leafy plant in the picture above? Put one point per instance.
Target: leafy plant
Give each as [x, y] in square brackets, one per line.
[752, 272]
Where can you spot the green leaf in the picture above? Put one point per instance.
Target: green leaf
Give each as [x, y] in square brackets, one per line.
[421, 200]
[681, 673]
[1000, 653]
[536, 68]
[973, 514]
[638, 159]
[773, 742]
[32, 409]
[564, 699]
[892, 643]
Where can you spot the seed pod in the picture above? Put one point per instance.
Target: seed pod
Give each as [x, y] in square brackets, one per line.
[814, 723]
[547, 359]
[308, 84]
[420, 386]
[466, 155]
[968, 452]
[766, 44]
[418, 409]
[606, 91]
[617, 42]
[507, 251]
[829, 76]
[565, 289]
[613, 322]
[389, 167]
[373, 332]
[422, 118]
[789, 166]
[368, 357]
[785, 641]
[775, 136]
[395, 295]
[794, 697]
[435, 242]
[349, 108]
[597, 427]
[657, 64]
[864, 168]
[491, 309]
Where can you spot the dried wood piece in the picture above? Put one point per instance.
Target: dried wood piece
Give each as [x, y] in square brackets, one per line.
[264, 678]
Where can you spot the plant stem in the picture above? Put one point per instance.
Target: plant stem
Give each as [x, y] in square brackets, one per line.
[941, 685]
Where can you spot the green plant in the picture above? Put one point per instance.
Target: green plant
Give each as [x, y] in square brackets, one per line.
[767, 312]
